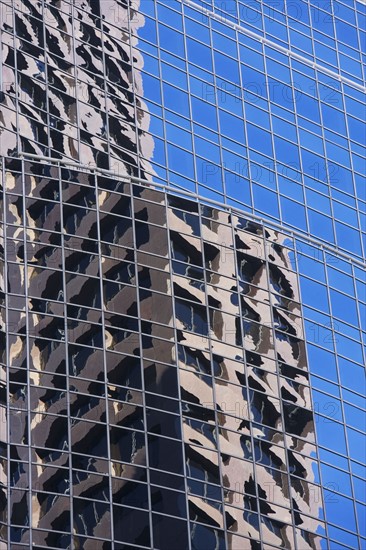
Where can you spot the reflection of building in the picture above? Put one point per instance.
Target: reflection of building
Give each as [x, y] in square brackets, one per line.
[152, 339]
[80, 97]
[174, 373]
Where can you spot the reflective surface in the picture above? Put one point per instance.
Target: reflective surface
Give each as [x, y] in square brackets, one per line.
[106, 290]
[72, 85]
[260, 106]
[155, 375]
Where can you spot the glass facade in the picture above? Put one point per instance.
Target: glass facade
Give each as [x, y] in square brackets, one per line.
[157, 373]
[183, 367]
[262, 111]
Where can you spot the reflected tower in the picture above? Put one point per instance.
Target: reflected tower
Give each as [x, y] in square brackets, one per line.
[179, 370]
[72, 86]
[155, 361]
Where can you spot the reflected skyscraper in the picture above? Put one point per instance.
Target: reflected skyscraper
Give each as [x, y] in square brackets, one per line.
[72, 83]
[182, 288]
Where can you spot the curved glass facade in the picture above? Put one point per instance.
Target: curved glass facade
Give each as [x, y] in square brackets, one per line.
[183, 366]
[253, 108]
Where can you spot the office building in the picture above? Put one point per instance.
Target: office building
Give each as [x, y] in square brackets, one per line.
[182, 275]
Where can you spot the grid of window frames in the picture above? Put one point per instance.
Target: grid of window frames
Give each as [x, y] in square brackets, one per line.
[225, 99]
[147, 378]
[179, 311]
[231, 86]
[210, 127]
[67, 89]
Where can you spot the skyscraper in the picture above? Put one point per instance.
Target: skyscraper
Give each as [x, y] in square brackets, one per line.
[183, 294]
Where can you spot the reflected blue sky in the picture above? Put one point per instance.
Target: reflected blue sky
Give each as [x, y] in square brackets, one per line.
[312, 124]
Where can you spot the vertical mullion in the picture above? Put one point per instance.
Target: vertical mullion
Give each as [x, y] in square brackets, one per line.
[7, 356]
[66, 341]
[148, 482]
[100, 265]
[170, 260]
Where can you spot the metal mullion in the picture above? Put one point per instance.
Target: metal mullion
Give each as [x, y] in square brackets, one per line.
[72, 9]
[360, 42]
[69, 431]
[102, 34]
[327, 162]
[131, 36]
[26, 308]
[164, 121]
[107, 422]
[216, 105]
[148, 482]
[189, 96]
[336, 40]
[209, 345]
[326, 519]
[8, 525]
[302, 182]
[170, 261]
[243, 99]
[16, 83]
[358, 300]
[356, 195]
[46, 77]
[271, 132]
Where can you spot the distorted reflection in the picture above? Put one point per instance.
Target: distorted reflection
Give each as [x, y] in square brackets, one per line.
[153, 339]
